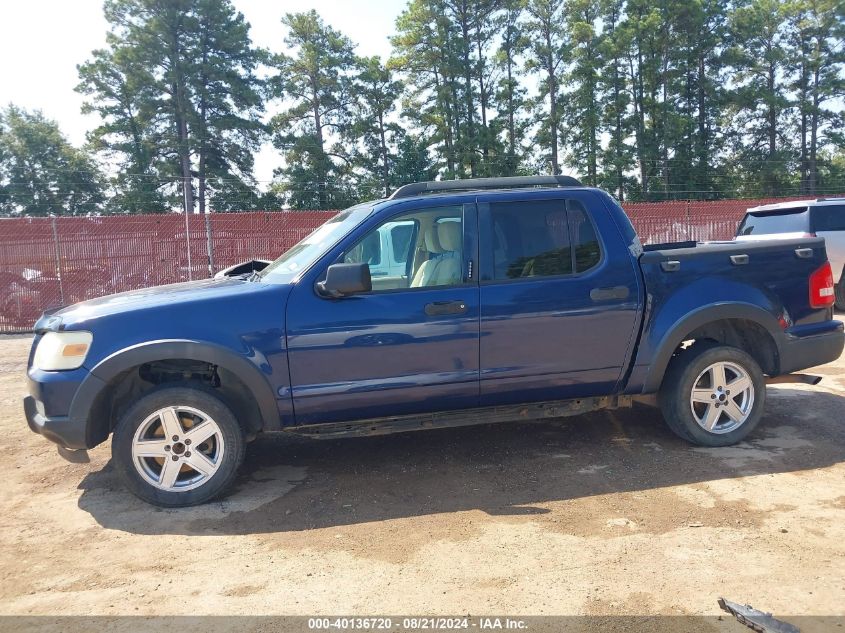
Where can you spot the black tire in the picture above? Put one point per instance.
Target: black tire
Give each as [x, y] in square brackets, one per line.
[196, 397]
[676, 393]
[839, 293]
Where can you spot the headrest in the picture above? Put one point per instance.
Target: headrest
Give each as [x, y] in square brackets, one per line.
[450, 235]
[432, 242]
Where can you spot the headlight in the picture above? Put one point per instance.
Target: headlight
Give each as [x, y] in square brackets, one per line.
[62, 350]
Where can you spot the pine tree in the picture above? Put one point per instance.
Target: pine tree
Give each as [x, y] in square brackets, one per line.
[582, 76]
[424, 55]
[483, 33]
[121, 92]
[178, 96]
[816, 60]
[759, 103]
[228, 104]
[318, 78]
[413, 162]
[41, 173]
[510, 95]
[547, 50]
[617, 158]
[461, 14]
[378, 94]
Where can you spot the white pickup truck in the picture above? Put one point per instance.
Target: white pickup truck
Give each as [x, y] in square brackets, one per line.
[823, 217]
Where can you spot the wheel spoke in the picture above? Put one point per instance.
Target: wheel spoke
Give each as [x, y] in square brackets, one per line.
[164, 427]
[702, 395]
[734, 398]
[201, 463]
[738, 385]
[733, 411]
[201, 433]
[151, 448]
[169, 473]
[718, 374]
[170, 422]
[711, 417]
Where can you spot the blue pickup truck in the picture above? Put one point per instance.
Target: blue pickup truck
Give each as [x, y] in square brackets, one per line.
[517, 299]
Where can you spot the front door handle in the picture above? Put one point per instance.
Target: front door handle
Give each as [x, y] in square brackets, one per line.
[439, 308]
[607, 294]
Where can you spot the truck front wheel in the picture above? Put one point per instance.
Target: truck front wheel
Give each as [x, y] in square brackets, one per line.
[178, 446]
[713, 395]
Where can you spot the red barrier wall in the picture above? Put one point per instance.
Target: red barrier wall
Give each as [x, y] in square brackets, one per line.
[49, 262]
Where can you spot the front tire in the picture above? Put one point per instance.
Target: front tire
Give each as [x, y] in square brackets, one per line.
[178, 446]
[713, 395]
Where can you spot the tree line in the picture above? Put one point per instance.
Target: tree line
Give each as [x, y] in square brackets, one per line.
[649, 99]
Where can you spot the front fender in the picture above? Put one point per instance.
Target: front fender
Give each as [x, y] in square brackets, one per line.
[245, 368]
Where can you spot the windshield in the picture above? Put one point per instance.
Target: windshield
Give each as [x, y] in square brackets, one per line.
[302, 255]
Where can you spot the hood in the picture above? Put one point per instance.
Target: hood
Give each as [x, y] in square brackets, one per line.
[169, 297]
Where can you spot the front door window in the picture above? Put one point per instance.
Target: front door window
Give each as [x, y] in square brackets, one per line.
[420, 249]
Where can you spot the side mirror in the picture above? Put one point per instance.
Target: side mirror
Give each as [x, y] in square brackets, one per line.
[346, 279]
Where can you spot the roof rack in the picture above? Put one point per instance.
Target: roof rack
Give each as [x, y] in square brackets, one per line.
[507, 182]
[830, 199]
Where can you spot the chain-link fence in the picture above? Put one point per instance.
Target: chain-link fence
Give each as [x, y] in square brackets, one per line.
[50, 262]
[679, 220]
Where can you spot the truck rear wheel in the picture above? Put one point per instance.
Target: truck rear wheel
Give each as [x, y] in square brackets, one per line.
[839, 294]
[713, 395]
[178, 446]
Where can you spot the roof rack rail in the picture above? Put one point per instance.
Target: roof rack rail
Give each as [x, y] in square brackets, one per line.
[829, 199]
[506, 182]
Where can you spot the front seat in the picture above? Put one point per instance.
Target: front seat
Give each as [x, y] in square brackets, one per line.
[424, 273]
[448, 270]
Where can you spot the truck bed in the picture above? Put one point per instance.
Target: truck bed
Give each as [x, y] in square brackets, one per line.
[766, 281]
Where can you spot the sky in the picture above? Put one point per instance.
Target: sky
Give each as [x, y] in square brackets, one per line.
[42, 41]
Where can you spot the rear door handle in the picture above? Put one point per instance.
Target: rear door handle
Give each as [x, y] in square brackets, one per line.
[606, 294]
[439, 308]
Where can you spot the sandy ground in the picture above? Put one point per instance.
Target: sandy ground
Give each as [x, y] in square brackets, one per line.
[599, 515]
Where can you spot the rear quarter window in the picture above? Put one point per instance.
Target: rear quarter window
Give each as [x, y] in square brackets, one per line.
[795, 220]
[829, 218]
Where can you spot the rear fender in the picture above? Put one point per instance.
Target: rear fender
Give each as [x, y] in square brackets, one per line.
[711, 313]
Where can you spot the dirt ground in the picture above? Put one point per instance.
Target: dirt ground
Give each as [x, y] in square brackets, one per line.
[598, 515]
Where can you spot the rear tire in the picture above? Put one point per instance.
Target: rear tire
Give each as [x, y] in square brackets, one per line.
[712, 395]
[839, 293]
[178, 446]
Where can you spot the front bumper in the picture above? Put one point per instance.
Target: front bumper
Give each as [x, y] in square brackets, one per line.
[62, 430]
[58, 405]
[803, 352]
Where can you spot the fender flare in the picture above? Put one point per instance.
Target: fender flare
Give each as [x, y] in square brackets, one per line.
[702, 316]
[105, 371]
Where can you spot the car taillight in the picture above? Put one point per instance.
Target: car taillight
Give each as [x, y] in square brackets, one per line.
[821, 287]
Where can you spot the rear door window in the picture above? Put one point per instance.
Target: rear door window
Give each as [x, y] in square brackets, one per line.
[543, 238]
[829, 218]
[795, 220]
